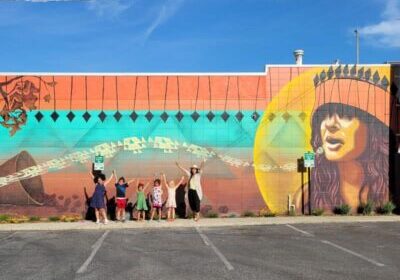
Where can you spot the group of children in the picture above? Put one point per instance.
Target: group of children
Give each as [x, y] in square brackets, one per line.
[157, 203]
[194, 195]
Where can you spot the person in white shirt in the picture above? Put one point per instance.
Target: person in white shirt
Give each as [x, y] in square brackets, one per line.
[195, 193]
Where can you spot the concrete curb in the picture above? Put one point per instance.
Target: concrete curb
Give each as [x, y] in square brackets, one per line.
[219, 222]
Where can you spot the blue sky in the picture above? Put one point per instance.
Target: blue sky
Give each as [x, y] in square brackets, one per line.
[192, 35]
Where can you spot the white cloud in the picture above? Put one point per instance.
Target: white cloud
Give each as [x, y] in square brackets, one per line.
[387, 32]
[150, 14]
[47, 1]
[165, 12]
[110, 8]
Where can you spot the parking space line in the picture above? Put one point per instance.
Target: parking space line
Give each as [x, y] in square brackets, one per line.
[301, 231]
[338, 247]
[208, 242]
[8, 236]
[96, 246]
[353, 253]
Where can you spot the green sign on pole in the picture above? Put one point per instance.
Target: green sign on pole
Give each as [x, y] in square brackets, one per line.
[99, 163]
[309, 159]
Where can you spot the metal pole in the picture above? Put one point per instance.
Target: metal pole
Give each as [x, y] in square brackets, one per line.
[302, 192]
[357, 47]
[309, 189]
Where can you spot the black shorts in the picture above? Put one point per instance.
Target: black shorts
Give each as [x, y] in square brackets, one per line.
[194, 200]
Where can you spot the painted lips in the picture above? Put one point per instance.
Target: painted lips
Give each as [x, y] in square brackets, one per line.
[333, 143]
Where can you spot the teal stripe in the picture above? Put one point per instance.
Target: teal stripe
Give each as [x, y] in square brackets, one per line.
[54, 137]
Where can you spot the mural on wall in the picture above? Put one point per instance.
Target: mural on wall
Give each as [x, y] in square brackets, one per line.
[142, 125]
[20, 95]
[342, 114]
[250, 128]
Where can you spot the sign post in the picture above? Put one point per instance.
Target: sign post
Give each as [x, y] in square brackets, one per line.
[301, 169]
[98, 163]
[309, 162]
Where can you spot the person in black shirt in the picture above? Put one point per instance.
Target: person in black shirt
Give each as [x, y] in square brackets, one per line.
[120, 186]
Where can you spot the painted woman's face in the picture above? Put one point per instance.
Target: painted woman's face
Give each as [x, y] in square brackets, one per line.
[343, 139]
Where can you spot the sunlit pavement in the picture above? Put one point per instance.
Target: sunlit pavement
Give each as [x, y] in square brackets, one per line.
[324, 250]
[182, 223]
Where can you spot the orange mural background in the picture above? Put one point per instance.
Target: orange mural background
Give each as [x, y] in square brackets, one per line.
[251, 160]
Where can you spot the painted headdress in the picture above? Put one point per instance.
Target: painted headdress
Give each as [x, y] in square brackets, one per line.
[298, 95]
[357, 86]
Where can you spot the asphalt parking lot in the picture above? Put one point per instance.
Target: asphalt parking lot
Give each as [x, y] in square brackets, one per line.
[301, 251]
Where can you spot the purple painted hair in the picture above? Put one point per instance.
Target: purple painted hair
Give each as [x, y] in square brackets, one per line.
[374, 160]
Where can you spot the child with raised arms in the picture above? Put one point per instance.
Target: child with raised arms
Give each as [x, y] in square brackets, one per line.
[97, 201]
[141, 205]
[120, 186]
[171, 200]
[157, 199]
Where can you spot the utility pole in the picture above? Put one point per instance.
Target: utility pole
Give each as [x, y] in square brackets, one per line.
[357, 47]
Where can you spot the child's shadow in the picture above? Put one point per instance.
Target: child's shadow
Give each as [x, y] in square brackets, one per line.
[180, 201]
[130, 207]
[90, 214]
[111, 206]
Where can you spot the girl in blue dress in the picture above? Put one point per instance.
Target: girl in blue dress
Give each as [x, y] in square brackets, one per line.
[97, 201]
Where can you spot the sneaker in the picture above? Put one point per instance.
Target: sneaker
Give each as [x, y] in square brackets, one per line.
[97, 222]
[105, 221]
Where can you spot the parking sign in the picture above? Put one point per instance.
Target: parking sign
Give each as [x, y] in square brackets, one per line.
[99, 163]
[309, 159]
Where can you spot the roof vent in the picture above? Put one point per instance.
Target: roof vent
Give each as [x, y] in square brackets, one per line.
[298, 55]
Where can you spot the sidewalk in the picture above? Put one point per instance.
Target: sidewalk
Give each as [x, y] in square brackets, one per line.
[181, 223]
